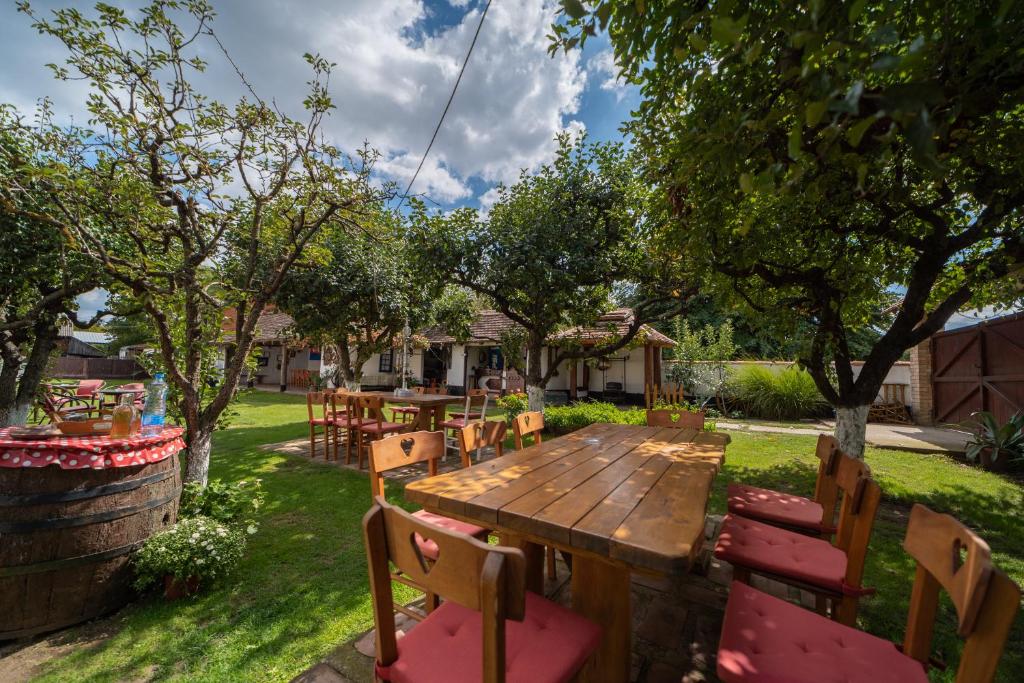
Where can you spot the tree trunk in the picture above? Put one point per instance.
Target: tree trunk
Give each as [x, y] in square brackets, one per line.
[534, 376]
[198, 467]
[9, 389]
[851, 427]
[16, 401]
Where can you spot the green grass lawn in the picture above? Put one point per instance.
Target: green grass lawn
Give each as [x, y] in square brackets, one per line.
[302, 589]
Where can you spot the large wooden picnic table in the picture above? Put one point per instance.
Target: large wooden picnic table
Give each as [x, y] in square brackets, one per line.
[619, 498]
[431, 407]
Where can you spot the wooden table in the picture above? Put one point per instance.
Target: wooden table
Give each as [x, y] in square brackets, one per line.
[620, 498]
[431, 413]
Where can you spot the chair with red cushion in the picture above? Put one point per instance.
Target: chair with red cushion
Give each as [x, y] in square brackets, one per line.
[458, 421]
[768, 640]
[805, 515]
[677, 419]
[342, 422]
[407, 412]
[402, 451]
[367, 412]
[833, 573]
[316, 403]
[489, 627]
[475, 398]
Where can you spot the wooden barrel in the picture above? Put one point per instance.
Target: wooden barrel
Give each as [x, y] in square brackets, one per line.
[66, 538]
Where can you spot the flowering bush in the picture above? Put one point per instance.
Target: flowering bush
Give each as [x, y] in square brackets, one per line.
[514, 405]
[197, 547]
[235, 503]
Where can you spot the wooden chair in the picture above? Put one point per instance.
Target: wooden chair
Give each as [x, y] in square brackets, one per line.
[56, 407]
[479, 435]
[456, 421]
[318, 400]
[526, 424]
[343, 422]
[486, 605]
[676, 419]
[410, 449]
[368, 414]
[407, 411]
[833, 573]
[474, 398]
[767, 639]
[804, 515]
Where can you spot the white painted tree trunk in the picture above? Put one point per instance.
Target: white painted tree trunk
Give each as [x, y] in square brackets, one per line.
[18, 414]
[535, 397]
[198, 467]
[851, 428]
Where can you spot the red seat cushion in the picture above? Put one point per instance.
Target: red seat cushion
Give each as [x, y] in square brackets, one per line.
[766, 548]
[453, 424]
[428, 547]
[548, 646]
[461, 416]
[768, 640]
[349, 421]
[406, 409]
[774, 506]
[372, 426]
[318, 421]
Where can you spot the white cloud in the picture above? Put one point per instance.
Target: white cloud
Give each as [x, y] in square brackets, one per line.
[603, 66]
[390, 84]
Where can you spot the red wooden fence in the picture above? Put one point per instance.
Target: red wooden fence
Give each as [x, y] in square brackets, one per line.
[95, 368]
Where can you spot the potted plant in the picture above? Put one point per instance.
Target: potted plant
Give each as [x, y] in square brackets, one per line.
[995, 445]
[187, 555]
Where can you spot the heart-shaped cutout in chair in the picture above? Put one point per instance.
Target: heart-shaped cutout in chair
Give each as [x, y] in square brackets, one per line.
[407, 445]
[417, 542]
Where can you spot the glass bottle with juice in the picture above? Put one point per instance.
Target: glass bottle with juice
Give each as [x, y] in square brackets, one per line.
[123, 417]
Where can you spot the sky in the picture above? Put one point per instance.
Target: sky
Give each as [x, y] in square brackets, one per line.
[396, 62]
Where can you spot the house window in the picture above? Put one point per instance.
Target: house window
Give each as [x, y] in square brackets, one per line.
[387, 361]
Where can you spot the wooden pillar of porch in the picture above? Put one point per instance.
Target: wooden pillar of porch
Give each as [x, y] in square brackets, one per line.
[656, 354]
[284, 368]
[572, 379]
[648, 366]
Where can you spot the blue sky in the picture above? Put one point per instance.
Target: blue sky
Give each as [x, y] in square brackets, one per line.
[396, 63]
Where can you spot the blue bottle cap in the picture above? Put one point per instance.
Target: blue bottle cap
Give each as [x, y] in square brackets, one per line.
[159, 376]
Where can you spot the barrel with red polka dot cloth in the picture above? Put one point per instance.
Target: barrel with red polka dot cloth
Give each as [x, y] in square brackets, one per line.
[72, 510]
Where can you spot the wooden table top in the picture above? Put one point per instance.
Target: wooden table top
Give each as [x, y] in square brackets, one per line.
[633, 494]
[415, 399]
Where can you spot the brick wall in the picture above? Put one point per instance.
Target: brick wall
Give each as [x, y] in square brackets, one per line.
[921, 383]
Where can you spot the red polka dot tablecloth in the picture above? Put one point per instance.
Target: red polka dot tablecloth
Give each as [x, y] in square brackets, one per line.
[89, 452]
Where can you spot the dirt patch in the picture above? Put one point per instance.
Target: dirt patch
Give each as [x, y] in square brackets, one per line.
[22, 660]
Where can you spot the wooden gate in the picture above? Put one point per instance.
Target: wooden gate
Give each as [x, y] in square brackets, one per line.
[979, 368]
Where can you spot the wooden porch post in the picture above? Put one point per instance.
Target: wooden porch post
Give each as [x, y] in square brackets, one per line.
[648, 370]
[656, 351]
[284, 368]
[572, 378]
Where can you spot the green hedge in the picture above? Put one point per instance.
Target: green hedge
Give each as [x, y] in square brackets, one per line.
[565, 419]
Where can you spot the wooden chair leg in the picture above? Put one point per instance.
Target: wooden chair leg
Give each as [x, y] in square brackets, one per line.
[312, 441]
[431, 602]
[846, 613]
[552, 569]
[349, 433]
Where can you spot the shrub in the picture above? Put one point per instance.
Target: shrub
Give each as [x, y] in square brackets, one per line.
[199, 547]
[229, 503]
[564, 419]
[787, 395]
[514, 405]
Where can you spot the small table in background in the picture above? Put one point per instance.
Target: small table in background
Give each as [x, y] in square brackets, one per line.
[432, 407]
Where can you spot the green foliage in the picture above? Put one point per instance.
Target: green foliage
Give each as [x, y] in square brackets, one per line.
[197, 546]
[234, 503]
[815, 159]
[565, 419]
[553, 245]
[700, 356]
[786, 395]
[1004, 442]
[513, 405]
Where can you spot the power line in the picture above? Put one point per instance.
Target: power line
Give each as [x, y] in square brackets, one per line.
[451, 97]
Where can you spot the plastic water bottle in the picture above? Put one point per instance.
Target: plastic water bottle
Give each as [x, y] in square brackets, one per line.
[156, 406]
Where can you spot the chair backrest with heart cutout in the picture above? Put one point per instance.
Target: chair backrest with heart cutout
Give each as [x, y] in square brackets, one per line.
[369, 407]
[481, 435]
[952, 557]
[677, 419]
[315, 399]
[401, 450]
[486, 578]
[525, 424]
